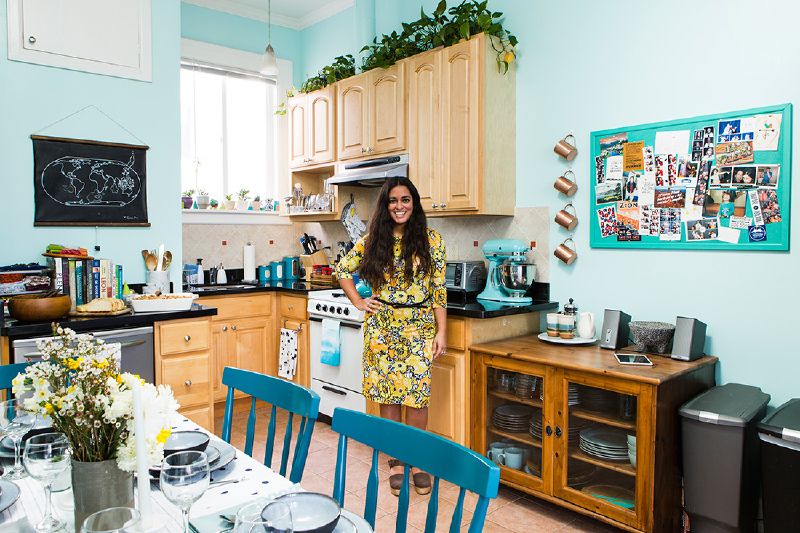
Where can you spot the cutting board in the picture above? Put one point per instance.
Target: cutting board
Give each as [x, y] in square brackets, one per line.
[101, 313]
[68, 256]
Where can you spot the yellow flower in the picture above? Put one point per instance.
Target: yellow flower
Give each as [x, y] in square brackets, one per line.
[49, 408]
[509, 57]
[102, 363]
[119, 378]
[163, 435]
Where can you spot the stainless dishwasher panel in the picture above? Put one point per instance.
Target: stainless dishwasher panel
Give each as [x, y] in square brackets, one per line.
[138, 356]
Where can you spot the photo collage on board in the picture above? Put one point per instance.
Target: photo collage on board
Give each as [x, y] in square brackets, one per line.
[692, 185]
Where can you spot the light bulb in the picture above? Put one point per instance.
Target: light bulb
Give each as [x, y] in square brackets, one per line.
[269, 63]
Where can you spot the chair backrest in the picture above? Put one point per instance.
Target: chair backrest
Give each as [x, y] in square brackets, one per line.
[8, 373]
[293, 398]
[442, 458]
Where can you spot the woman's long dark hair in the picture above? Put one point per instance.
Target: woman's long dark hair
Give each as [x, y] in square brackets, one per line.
[378, 253]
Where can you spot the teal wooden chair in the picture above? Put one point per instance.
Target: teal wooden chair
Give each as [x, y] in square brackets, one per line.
[7, 374]
[442, 458]
[281, 394]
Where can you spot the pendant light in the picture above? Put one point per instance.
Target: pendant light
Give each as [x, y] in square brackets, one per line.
[269, 63]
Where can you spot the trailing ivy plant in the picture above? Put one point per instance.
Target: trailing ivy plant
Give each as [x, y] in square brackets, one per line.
[443, 27]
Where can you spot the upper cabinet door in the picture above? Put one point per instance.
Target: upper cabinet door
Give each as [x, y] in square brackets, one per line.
[352, 109]
[424, 126]
[321, 130]
[298, 131]
[387, 112]
[100, 36]
[461, 124]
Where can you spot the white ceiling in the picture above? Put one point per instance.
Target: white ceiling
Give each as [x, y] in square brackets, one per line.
[295, 14]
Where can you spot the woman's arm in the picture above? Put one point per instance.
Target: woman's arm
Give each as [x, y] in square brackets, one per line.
[439, 257]
[370, 304]
[440, 341]
[344, 272]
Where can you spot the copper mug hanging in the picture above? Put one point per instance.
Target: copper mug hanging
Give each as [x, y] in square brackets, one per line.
[566, 253]
[565, 184]
[565, 219]
[566, 149]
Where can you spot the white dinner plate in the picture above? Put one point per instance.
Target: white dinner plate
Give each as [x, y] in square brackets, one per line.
[577, 341]
[9, 494]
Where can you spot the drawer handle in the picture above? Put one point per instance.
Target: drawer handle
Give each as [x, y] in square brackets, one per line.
[335, 391]
[233, 328]
[443, 206]
[224, 328]
[558, 431]
[32, 39]
[290, 307]
[434, 206]
[187, 338]
[298, 329]
[548, 430]
[188, 382]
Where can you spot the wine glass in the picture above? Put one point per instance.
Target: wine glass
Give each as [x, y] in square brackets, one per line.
[263, 516]
[46, 456]
[112, 520]
[184, 478]
[15, 422]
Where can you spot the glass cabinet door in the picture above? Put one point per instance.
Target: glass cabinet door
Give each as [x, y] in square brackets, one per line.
[597, 438]
[514, 423]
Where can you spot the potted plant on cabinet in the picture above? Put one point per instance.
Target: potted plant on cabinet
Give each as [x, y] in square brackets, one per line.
[186, 199]
[255, 205]
[202, 199]
[230, 203]
[241, 203]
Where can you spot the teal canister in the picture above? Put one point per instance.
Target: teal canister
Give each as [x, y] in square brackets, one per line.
[264, 274]
[276, 270]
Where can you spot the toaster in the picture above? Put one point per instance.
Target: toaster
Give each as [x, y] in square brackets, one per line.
[468, 276]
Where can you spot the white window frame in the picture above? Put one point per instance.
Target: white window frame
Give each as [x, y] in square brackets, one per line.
[211, 54]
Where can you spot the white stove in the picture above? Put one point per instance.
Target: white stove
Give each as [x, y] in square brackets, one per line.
[337, 386]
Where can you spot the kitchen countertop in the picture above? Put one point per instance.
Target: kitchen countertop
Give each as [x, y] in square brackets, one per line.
[12, 328]
[294, 286]
[488, 309]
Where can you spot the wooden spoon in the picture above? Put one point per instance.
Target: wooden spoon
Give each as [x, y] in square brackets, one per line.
[145, 253]
[167, 260]
[150, 262]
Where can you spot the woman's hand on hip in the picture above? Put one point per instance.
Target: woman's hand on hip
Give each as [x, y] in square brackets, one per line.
[370, 305]
[439, 345]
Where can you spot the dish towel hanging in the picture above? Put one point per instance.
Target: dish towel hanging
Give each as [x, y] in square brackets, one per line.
[329, 353]
[287, 361]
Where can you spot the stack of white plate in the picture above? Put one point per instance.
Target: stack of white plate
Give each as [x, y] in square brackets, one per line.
[524, 385]
[600, 400]
[605, 443]
[512, 417]
[579, 473]
[574, 397]
[632, 450]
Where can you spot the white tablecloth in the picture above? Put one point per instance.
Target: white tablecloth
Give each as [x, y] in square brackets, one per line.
[259, 481]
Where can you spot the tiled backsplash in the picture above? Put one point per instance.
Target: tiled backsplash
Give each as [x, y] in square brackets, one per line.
[460, 234]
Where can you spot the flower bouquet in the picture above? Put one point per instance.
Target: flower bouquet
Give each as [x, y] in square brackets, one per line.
[78, 385]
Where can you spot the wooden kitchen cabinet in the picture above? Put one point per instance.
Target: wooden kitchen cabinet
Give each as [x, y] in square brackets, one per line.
[293, 315]
[462, 130]
[312, 129]
[184, 364]
[371, 113]
[562, 395]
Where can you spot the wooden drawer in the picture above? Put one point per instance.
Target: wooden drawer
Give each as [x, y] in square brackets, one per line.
[293, 306]
[184, 336]
[239, 305]
[456, 334]
[189, 378]
[199, 415]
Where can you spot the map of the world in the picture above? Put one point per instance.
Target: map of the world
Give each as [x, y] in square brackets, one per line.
[82, 181]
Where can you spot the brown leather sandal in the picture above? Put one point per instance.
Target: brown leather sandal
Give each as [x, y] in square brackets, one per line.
[395, 480]
[422, 483]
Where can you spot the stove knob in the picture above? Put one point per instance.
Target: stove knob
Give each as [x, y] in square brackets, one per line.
[325, 308]
[346, 311]
[319, 307]
[338, 310]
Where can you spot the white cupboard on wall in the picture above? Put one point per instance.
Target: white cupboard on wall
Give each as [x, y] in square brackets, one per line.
[110, 37]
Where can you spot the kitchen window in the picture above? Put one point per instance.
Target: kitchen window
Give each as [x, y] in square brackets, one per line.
[227, 131]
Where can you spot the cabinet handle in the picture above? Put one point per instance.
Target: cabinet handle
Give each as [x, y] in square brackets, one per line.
[187, 338]
[363, 150]
[434, 206]
[233, 328]
[548, 430]
[31, 39]
[370, 150]
[188, 382]
[224, 328]
[443, 206]
[290, 307]
[558, 431]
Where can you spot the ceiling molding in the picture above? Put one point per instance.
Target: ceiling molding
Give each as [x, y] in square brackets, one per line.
[234, 7]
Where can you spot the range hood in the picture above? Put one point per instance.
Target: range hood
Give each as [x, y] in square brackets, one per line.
[370, 173]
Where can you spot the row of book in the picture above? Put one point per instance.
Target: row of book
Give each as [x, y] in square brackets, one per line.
[86, 279]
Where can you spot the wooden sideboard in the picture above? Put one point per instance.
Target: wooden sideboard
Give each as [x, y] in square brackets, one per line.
[566, 392]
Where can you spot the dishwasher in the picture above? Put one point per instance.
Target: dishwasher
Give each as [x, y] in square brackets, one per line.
[137, 355]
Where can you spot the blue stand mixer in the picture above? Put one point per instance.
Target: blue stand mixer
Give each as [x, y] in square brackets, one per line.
[510, 273]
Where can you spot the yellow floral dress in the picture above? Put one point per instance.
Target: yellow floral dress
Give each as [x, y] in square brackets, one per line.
[398, 341]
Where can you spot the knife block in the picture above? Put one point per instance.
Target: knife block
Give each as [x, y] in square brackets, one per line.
[308, 262]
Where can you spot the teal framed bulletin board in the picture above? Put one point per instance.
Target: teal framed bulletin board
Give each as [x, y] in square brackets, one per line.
[715, 182]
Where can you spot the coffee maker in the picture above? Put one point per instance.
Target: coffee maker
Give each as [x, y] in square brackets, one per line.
[510, 273]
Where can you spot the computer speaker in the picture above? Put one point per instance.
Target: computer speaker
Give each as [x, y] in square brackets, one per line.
[689, 340]
[615, 330]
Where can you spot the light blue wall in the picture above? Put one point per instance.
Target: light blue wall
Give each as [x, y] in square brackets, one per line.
[327, 39]
[224, 29]
[35, 96]
[589, 65]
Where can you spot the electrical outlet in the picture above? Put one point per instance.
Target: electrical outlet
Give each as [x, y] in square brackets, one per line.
[475, 244]
[533, 245]
[224, 243]
[271, 241]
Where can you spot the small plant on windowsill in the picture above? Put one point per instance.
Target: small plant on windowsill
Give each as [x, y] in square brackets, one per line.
[202, 199]
[241, 203]
[255, 205]
[186, 199]
[230, 203]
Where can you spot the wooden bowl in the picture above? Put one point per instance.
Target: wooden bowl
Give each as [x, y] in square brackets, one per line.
[29, 308]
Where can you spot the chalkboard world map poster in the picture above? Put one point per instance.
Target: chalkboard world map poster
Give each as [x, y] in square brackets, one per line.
[88, 183]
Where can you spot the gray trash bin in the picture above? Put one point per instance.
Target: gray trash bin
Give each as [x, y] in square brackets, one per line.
[780, 468]
[721, 474]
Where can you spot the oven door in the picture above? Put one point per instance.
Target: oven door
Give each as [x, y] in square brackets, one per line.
[348, 374]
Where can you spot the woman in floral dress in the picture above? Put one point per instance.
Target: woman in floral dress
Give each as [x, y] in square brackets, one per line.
[404, 262]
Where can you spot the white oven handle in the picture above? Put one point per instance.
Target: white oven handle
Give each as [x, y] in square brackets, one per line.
[345, 324]
[35, 355]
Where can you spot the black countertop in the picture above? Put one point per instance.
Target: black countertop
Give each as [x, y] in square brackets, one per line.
[12, 328]
[294, 286]
[488, 309]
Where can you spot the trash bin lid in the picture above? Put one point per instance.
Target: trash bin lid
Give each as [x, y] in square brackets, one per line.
[731, 404]
[784, 423]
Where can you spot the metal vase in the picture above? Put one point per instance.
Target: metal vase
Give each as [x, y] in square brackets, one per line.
[99, 485]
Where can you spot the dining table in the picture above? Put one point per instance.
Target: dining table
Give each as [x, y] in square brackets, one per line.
[248, 480]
